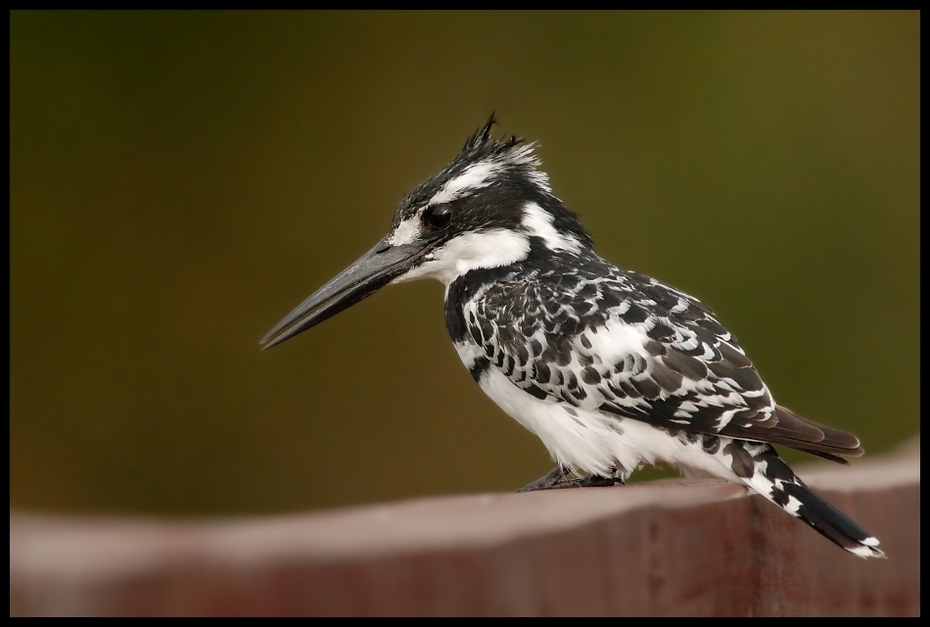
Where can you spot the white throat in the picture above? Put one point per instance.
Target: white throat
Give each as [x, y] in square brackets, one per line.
[470, 251]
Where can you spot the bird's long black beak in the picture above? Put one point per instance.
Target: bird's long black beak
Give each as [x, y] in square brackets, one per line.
[372, 271]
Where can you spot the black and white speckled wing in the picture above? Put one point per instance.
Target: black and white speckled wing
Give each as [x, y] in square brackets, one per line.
[600, 338]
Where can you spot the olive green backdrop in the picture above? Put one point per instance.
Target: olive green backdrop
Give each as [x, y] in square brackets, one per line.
[180, 181]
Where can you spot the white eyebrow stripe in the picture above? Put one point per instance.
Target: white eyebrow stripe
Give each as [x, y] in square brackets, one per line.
[474, 176]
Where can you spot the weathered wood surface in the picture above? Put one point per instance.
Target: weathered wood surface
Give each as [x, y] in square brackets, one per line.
[665, 548]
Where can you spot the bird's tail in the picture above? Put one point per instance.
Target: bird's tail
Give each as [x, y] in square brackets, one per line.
[772, 478]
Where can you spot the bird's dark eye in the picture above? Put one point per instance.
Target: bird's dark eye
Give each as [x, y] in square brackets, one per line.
[438, 216]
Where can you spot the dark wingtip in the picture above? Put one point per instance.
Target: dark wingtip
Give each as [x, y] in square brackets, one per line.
[814, 438]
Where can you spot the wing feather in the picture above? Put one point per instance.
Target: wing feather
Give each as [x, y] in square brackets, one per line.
[622, 343]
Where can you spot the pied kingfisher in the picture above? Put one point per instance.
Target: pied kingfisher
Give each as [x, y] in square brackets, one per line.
[611, 369]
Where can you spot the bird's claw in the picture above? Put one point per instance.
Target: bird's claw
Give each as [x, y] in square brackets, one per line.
[555, 480]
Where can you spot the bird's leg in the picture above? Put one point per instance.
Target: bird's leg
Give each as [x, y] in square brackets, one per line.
[614, 476]
[590, 481]
[546, 482]
[555, 480]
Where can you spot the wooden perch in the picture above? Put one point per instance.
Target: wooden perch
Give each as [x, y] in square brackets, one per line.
[664, 548]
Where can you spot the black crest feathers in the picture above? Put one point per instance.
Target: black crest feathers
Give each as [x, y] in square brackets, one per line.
[481, 140]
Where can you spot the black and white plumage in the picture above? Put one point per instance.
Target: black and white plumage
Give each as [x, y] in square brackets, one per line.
[611, 369]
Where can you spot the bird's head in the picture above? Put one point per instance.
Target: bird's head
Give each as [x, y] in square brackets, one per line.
[490, 207]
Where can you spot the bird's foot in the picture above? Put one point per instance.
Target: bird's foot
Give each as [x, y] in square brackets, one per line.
[546, 482]
[555, 480]
[589, 481]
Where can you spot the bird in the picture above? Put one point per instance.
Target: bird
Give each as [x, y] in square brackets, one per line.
[611, 369]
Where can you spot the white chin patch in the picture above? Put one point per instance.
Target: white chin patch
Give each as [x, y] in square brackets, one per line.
[470, 251]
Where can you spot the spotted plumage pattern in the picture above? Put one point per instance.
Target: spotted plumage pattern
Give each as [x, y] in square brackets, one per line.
[611, 369]
[553, 334]
[676, 368]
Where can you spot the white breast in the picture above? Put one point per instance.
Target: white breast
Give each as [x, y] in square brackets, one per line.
[586, 441]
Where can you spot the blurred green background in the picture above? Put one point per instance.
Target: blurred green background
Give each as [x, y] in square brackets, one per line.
[180, 181]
